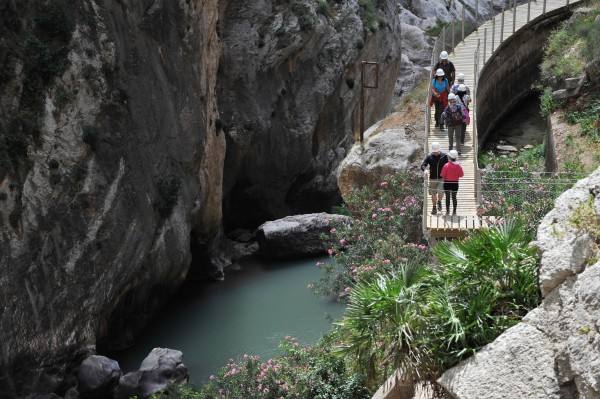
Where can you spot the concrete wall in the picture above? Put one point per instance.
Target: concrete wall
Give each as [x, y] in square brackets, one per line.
[509, 74]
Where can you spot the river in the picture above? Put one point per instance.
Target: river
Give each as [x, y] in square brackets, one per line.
[250, 312]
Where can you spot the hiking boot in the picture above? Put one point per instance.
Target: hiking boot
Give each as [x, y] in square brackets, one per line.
[454, 212]
[439, 204]
[434, 211]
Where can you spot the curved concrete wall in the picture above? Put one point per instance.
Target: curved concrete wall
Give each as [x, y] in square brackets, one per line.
[508, 75]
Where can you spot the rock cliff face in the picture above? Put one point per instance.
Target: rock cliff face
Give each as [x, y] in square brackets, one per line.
[289, 88]
[555, 351]
[110, 159]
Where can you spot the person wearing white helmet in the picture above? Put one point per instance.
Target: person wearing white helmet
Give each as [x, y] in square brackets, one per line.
[455, 115]
[448, 67]
[451, 174]
[460, 79]
[439, 95]
[463, 98]
[435, 160]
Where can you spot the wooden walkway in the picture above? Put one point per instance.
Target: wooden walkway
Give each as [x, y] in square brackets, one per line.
[469, 58]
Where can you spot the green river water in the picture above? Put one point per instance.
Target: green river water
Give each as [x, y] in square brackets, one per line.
[250, 312]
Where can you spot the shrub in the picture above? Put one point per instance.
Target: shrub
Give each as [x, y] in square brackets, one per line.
[588, 119]
[547, 104]
[424, 320]
[369, 14]
[384, 234]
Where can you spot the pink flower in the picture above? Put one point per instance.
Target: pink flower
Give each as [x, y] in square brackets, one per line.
[343, 242]
[330, 252]
[374, 216]
[387, 261]
[212, 377]
[383, 184]
[333, 231]
[319, 264]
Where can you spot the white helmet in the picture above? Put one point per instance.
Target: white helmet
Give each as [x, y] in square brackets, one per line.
[439, 72]
[453, 154]
[462, 87]
[461, 77]
[451, 97]
[444, 55]
[435, 147]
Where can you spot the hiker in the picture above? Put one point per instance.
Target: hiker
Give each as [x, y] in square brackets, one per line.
[455, 115]
[451, 173]
[448, 67]
[464, 99]
[460, 80]
[436, 161]
[439, 96]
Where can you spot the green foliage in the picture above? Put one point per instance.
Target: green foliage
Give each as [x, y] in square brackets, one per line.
[512, 186]
[301, 372]
[547, 104]
[323, 7]
[369, 14]
[424, 320]
[586, 219]
[570, 46]
[385, 226]
[588, 119]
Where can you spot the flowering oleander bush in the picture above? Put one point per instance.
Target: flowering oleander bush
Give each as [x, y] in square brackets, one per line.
[385, 233]
[300, 373]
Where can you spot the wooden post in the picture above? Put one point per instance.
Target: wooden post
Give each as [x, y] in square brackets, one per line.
[502, 27]
[529, 10]
[514, 15]
[463, 24]
[493, 35]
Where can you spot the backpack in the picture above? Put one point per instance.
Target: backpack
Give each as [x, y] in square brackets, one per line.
[455, 116]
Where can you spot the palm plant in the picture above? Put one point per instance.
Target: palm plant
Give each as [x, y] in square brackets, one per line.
[383, 320]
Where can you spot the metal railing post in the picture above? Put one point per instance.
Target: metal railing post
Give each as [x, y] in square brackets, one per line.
[514, 16]
[476, 12]
[529, 10]
[567, 2]
[484, 43]
[493, 34]
[444, 37]
[463, 23]
[502, 27]
[452, 34]
[544, 9]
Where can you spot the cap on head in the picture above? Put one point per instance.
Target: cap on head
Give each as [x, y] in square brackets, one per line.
[439, 72]
[453, 154]
[461, 77]
[444, 55]
[451, 97]
[462, 88]
[435, 147]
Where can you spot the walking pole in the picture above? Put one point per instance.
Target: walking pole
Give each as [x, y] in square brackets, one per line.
[452, 33]
[493, 34]
[484, 43]
[514, 15]
[544, 9]
[529, 10]
[463, 23]
[502, 27]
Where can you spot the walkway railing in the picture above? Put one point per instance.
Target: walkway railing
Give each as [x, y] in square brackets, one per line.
[482, 44]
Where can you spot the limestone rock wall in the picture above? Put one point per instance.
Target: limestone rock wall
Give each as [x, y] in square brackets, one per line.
[110, 158]
[555, 351]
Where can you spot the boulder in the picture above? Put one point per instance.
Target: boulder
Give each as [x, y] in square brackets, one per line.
[560, 94]
[506, 148]
[384, 152]
[98, 376]
[159, 370]
[298, 235]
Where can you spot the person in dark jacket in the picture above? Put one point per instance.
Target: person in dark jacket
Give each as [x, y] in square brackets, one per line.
[448, 67]
[436, 161]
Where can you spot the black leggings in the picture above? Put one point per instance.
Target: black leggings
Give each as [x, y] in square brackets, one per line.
[451, 189]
